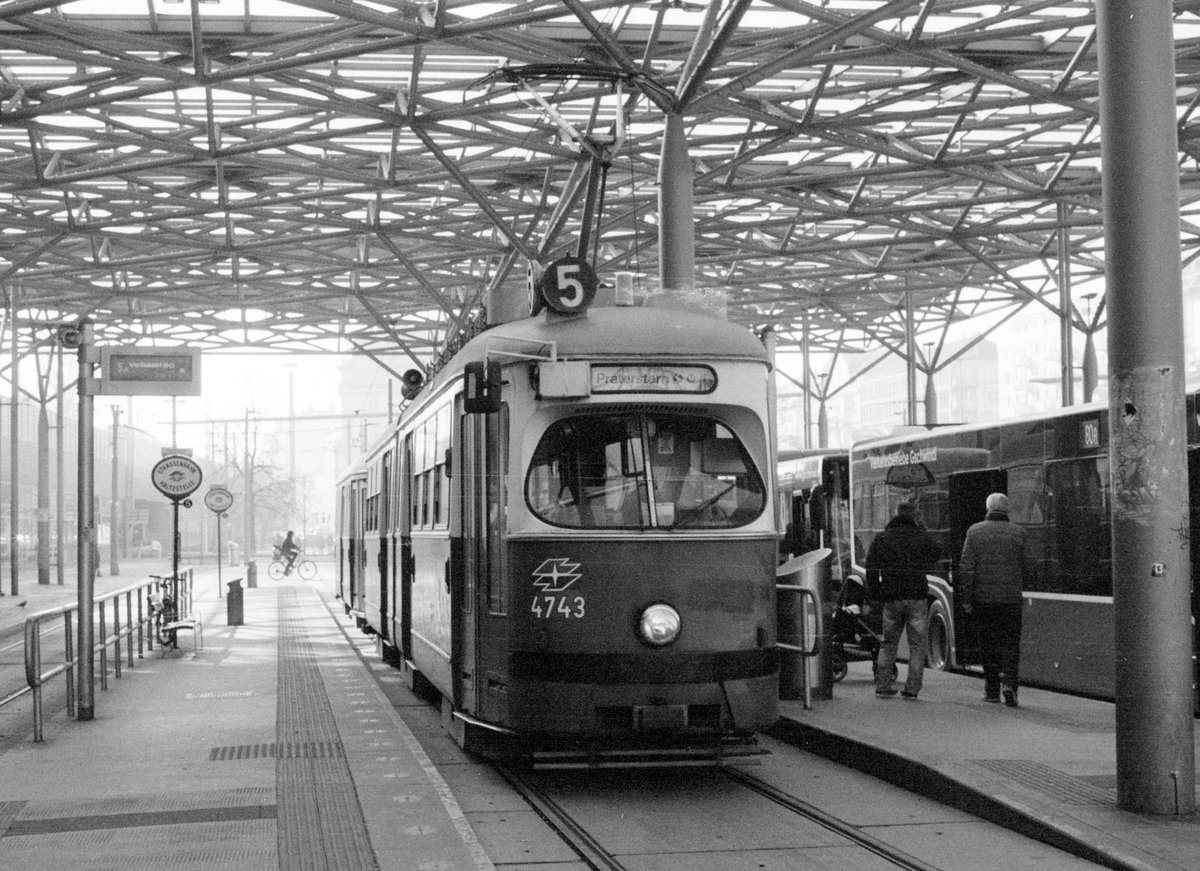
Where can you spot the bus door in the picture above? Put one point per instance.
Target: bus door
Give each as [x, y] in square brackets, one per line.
[968, 492]
[485, 627]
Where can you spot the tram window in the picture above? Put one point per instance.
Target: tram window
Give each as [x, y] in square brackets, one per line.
[1078, 528]
[638, 470]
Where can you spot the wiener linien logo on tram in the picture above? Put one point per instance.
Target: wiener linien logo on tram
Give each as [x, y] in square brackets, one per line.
[556, 574]
[553, 577]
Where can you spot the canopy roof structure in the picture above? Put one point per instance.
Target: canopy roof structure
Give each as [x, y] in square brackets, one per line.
[362, 175]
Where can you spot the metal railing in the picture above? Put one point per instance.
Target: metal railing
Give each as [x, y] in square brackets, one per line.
[809, 630]
[130, 613]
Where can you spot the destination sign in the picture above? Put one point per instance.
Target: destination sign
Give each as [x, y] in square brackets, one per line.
[903, 458]
[653, 379]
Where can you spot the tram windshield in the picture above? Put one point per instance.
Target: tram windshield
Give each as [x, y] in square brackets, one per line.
[640, 470]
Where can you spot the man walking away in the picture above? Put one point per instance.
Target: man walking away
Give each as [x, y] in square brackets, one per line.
[897, 564]
[996, 565]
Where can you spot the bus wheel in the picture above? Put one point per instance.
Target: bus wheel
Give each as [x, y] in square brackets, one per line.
[939, 637]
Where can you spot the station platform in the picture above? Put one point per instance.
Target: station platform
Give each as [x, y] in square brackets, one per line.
[270, 747]
[1046, 768]
[274, 746]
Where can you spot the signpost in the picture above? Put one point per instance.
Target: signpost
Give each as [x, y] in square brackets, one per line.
[218, 500]
[176, 477]
[127, 371]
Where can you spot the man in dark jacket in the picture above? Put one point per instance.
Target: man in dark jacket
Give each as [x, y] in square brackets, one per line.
[898, 562]
[996, 566]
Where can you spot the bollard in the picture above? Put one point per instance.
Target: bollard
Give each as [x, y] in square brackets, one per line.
[234, 604]
[251, 575]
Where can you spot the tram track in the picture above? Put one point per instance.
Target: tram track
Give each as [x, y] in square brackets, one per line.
[560, 820]
[827, 821]
[599, 858]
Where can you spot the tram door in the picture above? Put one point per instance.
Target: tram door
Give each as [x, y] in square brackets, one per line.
[1193, 460]
[968, 492]
[484, 636]
[404, 558]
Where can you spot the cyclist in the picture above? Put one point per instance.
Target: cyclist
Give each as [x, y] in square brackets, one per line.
[288, 551]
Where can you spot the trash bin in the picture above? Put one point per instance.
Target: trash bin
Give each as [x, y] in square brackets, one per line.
[805, 577]
[251, 575]
[233, 604]
[234, 553]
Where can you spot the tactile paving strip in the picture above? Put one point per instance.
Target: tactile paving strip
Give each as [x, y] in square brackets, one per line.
[1043, 778]
[321, 824]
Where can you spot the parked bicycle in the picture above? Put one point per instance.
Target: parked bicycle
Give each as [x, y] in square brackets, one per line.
[164, 611]
[302, 566]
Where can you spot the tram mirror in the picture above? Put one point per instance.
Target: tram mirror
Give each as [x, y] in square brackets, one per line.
[481, 388]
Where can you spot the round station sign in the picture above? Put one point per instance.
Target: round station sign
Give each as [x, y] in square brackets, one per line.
[218, 499]
[176, 477]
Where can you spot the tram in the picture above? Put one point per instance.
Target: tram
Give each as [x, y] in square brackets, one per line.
[1055, 469]
[570, 536]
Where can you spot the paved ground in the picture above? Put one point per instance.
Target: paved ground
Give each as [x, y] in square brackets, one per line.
[1047, 768]
[274, 747]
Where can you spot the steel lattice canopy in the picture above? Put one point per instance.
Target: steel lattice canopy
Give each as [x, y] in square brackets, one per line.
[355, 175]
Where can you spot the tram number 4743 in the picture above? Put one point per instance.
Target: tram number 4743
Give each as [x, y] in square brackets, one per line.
[548, 606]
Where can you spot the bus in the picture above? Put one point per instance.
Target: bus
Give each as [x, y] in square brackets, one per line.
[1054, 467]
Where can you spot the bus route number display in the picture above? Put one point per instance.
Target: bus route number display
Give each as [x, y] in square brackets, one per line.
[568, 285]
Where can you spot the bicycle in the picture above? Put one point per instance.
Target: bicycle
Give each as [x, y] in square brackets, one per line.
[163, 612]
[302, 566]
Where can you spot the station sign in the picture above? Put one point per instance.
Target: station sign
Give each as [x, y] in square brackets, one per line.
[149, 372]
[218, 500]
[176, 477]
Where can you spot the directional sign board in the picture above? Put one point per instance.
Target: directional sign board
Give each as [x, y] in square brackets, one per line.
[149, 371]
[176, 477]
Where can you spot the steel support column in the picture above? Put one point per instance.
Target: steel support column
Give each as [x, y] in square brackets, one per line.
[1151, 564]
[1066, 320]
[43, 490]
[676, 230]
[806, 380]
[910, 359]
[85, 550]
[14, 448]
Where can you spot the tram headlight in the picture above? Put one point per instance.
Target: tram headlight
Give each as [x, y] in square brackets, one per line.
[659, 624]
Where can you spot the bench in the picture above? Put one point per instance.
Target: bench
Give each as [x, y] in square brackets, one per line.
[191, 624]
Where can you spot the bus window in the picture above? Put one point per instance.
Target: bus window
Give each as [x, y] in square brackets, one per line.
[1078, 528]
